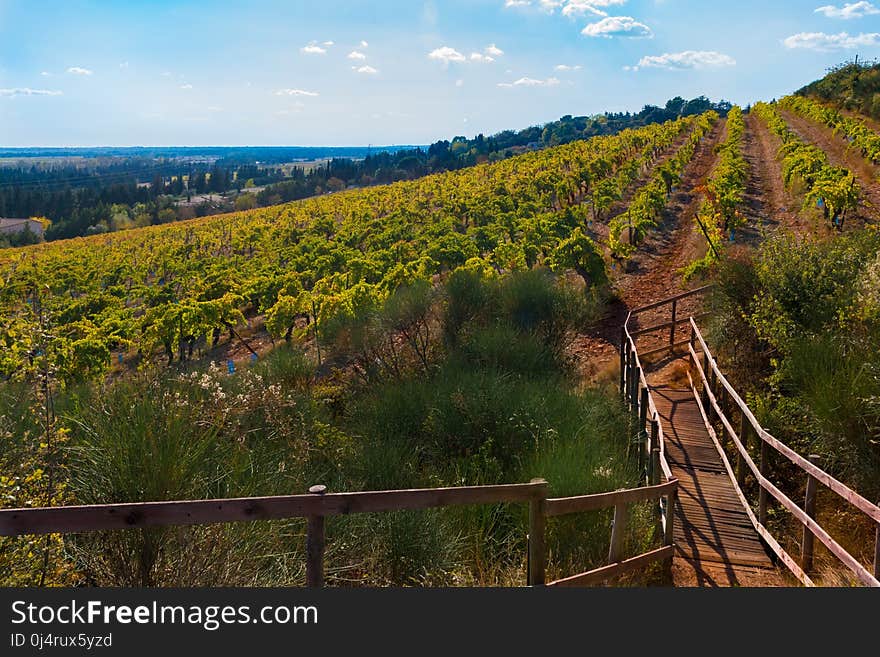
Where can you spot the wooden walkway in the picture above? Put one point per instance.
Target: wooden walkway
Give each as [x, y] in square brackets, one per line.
[711, 524]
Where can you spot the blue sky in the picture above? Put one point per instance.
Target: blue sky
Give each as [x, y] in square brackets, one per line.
[334, 72]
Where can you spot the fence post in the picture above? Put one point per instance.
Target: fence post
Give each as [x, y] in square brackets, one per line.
[643, 424]
[810, 510]
[744, 427]
[707, 383]
[655, 465]
[762, 492]
[672, 330]
[618, 528]
[877, 550]
[315, 545]
[537, 522]
[623, 360]
[653, 443]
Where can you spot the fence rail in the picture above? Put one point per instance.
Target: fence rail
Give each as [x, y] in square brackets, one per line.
[318, 504]
[717, 393]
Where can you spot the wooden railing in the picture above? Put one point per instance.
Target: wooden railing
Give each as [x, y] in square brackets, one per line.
[716, 398]
[648, 431]
[318, 504]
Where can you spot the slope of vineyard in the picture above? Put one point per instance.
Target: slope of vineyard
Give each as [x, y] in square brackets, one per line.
[168, 288]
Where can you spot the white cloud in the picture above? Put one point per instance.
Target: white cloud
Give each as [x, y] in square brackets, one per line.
[566, 67]
[123, 65]
[828, 42]
[214, 108]
[27, 91]
[581, 7]
[364, 44]
[327, 43]
[313, 49]
[689, 59]
[459, 83]
[186, 85]
[530, 82]
[366, 70]
[493, 50]
[354, 54]
[446, 54]
[45, 74]
[79, 70]
[295, 92]
[569, 7]
[481, 58]
[849, 10]
[617, 26]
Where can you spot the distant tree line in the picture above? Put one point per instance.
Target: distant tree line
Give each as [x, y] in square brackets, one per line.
[852, 85]
[114, 192]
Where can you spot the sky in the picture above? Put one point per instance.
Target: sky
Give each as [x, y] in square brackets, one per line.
[380, 72]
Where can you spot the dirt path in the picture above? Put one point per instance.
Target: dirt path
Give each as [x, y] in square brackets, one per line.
[653, 273]
[839, 154]
[768, 205]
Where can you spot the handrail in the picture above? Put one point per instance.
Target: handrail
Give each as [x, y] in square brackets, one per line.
[815, 473]
[318, 504]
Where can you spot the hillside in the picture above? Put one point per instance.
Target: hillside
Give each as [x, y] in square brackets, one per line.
[461, 328]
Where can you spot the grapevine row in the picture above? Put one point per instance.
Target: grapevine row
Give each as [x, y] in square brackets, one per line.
[833, 188]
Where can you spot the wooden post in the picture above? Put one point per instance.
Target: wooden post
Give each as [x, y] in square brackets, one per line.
[672, 330]
[670, 518]
[762, 492]
[623, 360]
[877, 550]
[810, 510]
[744, 427]
[537, 524]
[653, 444]
[618, 528]
[315, 545]
[655, 465]
[708, 374]
[643, 420]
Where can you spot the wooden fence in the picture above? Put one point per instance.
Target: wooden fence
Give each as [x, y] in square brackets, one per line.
[647, 428]
[318, 504]
[716, 400]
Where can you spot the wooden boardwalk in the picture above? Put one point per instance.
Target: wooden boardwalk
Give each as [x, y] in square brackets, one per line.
[711, 524]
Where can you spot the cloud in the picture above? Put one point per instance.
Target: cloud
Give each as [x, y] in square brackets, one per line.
[78, 70]
[327, 43]
[493, 50]
[354, 54]
[566, 67]
[123, 65]
[569, 7]
[481, 58]
[459, 83]
[27, 91]
[618, 26]
[530, 82]
[45, 74]
[581, 7]
[849, 10]
[186, 85]
[828, 42]
[364, 44]
[689, 59]
[295, 92]
[446, 55]
[313, 49]
[366, 70]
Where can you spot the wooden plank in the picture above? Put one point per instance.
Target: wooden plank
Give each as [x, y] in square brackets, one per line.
[613, 570]
[73, 519]
[564, 505]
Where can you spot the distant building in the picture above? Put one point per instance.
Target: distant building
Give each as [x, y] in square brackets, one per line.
[13, 226]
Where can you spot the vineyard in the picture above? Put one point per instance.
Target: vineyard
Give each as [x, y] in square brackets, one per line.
[170, 289]
[433, 333]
